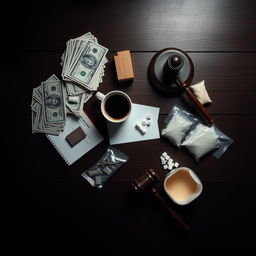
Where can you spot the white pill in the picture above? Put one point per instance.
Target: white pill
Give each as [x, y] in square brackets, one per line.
[140, 128]
[143, 122]
[148, 123]
[176, 164]
[163, 161]
[165, 166]
[167, 157]
[170, 166]
[164, 154]
[170, 161]
[148, 116]
[73, 99]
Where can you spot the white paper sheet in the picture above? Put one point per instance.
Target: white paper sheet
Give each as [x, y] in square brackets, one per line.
[126, 132]
[72, 154]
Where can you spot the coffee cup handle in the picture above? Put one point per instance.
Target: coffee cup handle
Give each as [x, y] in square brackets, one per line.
[100, 96]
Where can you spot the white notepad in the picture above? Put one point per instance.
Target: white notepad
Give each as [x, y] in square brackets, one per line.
[71, 154]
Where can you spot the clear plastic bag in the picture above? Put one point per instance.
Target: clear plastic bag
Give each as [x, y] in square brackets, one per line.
[178, 123]
[98, 174]
[198, 138]
[225, 142]
[201, 140]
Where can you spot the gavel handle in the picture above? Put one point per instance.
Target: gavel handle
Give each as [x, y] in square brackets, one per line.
[196, 102]
[174, 214]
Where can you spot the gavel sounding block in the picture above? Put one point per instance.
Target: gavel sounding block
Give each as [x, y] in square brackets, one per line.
[75, 136]
[123, 63]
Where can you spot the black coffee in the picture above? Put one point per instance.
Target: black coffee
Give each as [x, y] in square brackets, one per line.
[117, 106]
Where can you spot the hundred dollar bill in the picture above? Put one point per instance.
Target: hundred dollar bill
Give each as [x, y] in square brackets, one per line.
[53, 102]
[88, 62]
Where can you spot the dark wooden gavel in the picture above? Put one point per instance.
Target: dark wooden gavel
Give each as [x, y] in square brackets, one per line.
[196, 102]
[148, 183]
[172, 66]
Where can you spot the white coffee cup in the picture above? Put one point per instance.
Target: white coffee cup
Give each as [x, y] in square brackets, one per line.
[115, 106]
[182, 185]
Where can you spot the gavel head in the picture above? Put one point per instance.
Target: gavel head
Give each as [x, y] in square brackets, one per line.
[145, 182]
[172, 66]
[175, 62]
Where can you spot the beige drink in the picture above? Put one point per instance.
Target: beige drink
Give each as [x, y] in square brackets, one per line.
[182, 187]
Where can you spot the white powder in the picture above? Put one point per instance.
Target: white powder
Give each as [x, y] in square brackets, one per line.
[201, 93]
[201, 140]
[176, 129]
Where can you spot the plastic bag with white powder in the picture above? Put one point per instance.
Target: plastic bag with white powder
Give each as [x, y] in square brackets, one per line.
[186, 130]
[178, 123]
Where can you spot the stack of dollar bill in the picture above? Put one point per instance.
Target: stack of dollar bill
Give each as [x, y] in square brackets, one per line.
[48, 107]
[83, 63]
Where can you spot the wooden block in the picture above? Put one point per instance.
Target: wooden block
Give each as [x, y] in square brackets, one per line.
[123, 63]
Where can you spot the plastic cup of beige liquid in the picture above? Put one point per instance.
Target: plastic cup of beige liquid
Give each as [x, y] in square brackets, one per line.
[182, 185]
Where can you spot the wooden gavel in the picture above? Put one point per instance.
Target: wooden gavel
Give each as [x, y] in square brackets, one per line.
[173, 64]
[196, 102]
[172, 67]
[147, 183]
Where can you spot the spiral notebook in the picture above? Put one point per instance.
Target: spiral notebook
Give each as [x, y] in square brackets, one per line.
[71, 154]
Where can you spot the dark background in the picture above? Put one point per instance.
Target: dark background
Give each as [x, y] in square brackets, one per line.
[48, 205]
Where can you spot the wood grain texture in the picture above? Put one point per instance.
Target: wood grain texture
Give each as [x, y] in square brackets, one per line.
[49, 207]
[139, 25]
[229, 82]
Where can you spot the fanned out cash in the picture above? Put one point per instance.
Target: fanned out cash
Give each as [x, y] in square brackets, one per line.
[48, 107]
[83, 63]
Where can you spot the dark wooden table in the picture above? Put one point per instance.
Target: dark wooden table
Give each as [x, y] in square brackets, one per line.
[49, 204]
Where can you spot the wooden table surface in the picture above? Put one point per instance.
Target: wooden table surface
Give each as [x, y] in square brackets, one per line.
[49, 204]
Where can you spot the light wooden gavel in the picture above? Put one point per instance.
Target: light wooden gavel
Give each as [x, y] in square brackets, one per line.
[147, 183]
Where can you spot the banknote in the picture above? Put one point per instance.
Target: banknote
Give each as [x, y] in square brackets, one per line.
[53, 102]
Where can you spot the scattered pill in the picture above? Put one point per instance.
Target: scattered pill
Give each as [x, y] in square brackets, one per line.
[73, 99]
[170, 162]
[163, 161]
[167, 157]
[176, 164]
[143, 122]
[148, 116]
[148, 123]
[170, 166]
[167, 162]
[164, 154]
[140, 128]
